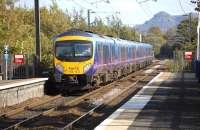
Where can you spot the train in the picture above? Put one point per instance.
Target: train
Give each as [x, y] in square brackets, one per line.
[85, 59]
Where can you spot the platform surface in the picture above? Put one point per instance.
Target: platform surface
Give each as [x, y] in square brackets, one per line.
[168, 102]
[6, 84]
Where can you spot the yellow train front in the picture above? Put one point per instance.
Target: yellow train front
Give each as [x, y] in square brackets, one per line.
[73, 60]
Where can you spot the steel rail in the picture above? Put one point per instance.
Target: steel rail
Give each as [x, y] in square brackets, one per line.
[74, 101]
[70, 125]
[29, 106]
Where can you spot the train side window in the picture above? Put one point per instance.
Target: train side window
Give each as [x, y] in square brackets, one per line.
[118, 53]
[105, 54]
[133, 52]
[113, 53]
[129, 53]
[137, 52]
[143, 51]
[109, 52]
[96, 53]
[123, 53]
[126, 56]
[99, 51]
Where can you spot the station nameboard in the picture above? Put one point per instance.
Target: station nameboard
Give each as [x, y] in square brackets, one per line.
[19, 59]
[188, 55]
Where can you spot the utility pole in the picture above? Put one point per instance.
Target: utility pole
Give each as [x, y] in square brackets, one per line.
[37, 38]
[88, 16]
[197, 69]
[198, 38]
[89, 11]
[197, 2]
[190, 26]
[118, 30]
[198, 49]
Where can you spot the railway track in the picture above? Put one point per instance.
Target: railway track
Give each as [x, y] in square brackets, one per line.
[64, 114]
[15, 116]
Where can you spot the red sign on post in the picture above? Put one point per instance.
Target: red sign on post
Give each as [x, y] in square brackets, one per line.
[188, 55]
[19, 59]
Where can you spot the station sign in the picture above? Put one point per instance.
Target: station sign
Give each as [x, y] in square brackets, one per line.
[19, 59]
[188, 55]
[6, 49]
[6, 57]
[6, 52]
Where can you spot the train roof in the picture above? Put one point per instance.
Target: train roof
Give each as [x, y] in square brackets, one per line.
[71, 32]
[79, 32]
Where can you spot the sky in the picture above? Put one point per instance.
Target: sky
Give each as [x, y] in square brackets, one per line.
[131, 12]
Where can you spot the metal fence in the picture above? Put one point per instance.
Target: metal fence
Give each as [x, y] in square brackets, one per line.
[17, 71]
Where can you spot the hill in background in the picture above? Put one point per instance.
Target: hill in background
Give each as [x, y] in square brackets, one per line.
[162, 20]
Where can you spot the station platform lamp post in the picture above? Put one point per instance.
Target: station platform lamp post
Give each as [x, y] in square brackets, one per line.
[197, 62]
[37, 59]
[198, 49]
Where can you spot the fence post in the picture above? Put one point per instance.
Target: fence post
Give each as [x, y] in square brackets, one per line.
[12, 67]
[26, 65]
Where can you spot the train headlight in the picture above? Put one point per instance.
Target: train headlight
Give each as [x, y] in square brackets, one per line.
[60, 68]
[86, 68]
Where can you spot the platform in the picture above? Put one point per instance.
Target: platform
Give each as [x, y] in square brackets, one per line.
[168, 102]
[16, 91]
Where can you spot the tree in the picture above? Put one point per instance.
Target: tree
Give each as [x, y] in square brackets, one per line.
[182, 35]
[129, 33]
[17, 27]
[7, 4]
[156, 38]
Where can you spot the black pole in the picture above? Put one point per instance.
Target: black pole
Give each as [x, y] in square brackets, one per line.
[88, 15]
[190, 27]
[37, 38]
[118, 30]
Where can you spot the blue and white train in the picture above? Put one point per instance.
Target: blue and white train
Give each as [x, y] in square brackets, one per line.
[85, 59]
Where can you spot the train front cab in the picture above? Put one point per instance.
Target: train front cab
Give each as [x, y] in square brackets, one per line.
[73, 62]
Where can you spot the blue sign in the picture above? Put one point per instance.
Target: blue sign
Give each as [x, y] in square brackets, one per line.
[6, 57]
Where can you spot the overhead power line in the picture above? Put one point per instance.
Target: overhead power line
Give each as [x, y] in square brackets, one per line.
[144, 1]
[180, 4]
[79, 4]
[144, 10]
[149, 9]
[141, 5]
[117, 12]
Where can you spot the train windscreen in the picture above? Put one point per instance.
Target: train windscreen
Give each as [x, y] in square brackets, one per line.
[73, 50]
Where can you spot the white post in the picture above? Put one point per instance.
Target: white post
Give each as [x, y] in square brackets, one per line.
[6, 55]
[198, 38]
[140, 37]
[6, 69]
